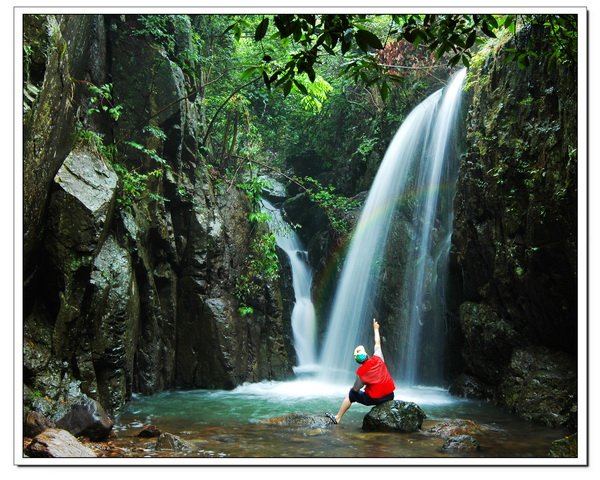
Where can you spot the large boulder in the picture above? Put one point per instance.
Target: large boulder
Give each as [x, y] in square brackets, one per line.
[395, 415]
[87, 419]
[81, 206]
[80, 211]
[57, 443]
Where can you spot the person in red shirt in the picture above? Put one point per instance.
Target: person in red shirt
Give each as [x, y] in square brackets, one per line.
[373, 375]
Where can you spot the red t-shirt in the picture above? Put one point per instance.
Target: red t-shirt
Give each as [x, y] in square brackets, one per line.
[376, 377]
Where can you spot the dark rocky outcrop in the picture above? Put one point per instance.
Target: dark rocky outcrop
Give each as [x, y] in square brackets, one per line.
[515, 233]
[395, 416]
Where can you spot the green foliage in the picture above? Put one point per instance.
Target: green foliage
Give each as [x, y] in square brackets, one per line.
[315, 36]
[335, 206]
[101, 101]
[253, 187]
[158, 28]
[561, 38]
[133, 184]
[151, 152]
[155, 131]
[450, 37]
[263, 264]
[94, 141]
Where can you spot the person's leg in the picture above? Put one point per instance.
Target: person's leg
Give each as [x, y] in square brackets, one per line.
[343, 409]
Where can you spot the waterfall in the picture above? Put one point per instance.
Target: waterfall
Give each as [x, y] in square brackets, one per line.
[303, 315]
[409, 178]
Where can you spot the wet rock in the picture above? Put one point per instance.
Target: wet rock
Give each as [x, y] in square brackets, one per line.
[82, 204]
[88, 419]
[168, 441]
[49, 132]
[489, 341]
[115, 319]
[541, 386]
[395, 415]
[453, 428]
[36, 423]
[57, 443]
[299, 420]
[564, 447]
[149, 431]
[301, 210]
[468, 386]
[462, 443]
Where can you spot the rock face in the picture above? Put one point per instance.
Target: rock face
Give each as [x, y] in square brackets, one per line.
[396, 416]
[127, 291]
[515, 233]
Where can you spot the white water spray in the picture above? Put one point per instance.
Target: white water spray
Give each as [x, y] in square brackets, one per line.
[423, 138]
[303, 315]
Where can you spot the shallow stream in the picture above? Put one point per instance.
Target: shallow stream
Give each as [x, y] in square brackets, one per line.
[227, 424]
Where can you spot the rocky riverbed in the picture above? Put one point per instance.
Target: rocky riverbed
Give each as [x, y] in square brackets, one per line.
[402, 433]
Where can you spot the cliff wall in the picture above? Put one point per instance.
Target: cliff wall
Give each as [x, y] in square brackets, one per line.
[515, 234]
[126, 291]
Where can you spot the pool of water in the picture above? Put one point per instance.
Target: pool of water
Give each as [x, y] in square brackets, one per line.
[226, 424]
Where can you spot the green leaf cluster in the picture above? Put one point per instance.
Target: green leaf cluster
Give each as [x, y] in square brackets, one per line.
[101, 101]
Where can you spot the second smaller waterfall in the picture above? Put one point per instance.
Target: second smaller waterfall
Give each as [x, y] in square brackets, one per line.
[303, 315]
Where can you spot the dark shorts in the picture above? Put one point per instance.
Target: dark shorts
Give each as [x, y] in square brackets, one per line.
[362, 397]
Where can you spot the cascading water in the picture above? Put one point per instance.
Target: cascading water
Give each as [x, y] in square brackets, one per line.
[303, 315]
[411, 172]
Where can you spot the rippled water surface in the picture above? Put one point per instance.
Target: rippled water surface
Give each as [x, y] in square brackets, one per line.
[226, 424]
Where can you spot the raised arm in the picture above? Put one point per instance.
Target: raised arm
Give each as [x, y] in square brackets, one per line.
[376, 334]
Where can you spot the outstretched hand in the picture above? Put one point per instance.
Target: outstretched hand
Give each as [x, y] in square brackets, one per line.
[375, 325]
